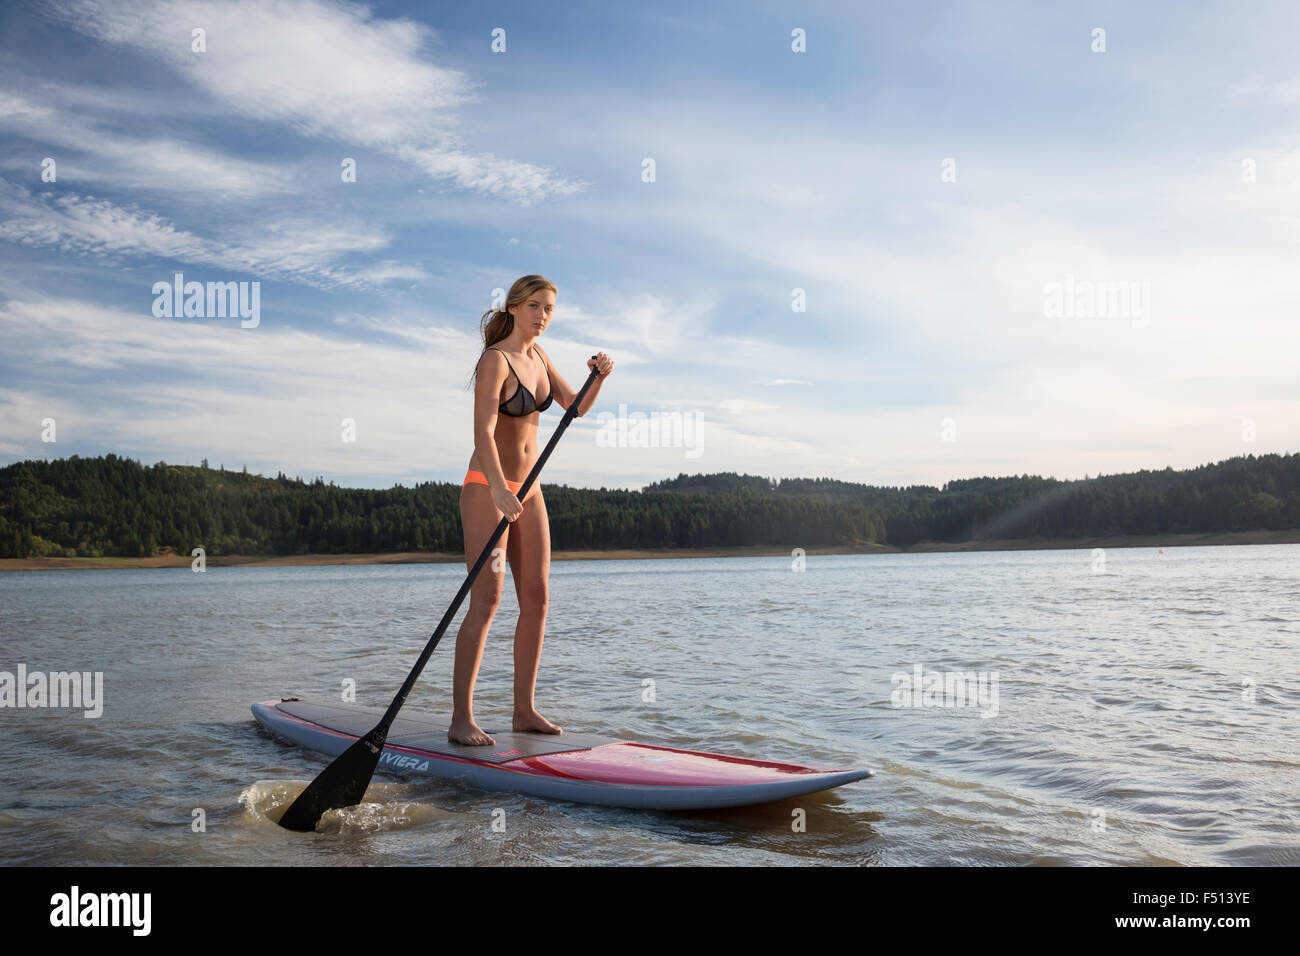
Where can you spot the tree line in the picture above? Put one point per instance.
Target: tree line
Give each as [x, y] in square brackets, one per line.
[114, 506]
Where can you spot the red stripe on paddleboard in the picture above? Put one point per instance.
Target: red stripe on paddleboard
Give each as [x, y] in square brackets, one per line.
[643, 765]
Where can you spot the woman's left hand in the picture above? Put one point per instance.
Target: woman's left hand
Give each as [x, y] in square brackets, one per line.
[603, 362]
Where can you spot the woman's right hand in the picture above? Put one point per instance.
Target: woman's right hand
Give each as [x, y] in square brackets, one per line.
[507, 503]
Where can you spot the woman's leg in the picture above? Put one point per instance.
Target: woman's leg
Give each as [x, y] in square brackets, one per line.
[479, 518]
[529, 553]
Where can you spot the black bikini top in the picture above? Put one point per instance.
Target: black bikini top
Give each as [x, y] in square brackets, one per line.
[522, 403]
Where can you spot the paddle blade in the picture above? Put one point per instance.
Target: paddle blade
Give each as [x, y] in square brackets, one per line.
[342, 784]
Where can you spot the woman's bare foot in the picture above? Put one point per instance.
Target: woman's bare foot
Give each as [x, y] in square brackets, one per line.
[468, 733]
[531, 720]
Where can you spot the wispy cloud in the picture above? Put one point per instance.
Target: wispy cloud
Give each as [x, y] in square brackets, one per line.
[325, 70]
[89, 151]
[303, 251]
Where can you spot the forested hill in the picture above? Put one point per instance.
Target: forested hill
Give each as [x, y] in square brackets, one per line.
[115, 506]
[1246, 493]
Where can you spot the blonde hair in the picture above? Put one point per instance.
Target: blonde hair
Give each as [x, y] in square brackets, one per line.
[497, 324]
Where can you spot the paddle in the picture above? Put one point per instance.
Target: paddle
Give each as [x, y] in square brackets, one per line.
[343, 783]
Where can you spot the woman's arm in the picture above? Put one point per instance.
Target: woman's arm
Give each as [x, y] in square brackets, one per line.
[566, 393]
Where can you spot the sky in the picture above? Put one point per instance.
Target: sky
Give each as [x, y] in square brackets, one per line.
[887, 243]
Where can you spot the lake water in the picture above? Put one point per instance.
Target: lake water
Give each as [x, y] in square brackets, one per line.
[1145, 710]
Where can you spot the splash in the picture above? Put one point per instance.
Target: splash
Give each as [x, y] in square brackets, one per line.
[383, 809]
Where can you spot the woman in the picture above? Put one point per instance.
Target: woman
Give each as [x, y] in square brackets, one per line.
[510, 372]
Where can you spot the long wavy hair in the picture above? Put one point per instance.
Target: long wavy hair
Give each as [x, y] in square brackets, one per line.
[497, 324]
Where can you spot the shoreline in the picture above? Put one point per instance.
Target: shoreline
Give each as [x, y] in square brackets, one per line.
[1290, 536]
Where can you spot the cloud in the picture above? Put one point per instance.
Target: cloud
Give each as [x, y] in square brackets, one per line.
[89, 151]
[275, 398]
[389, 271]
[743, 406]
[271, 397]
[486, 173]
[327, 70]
[301, 250]
[1286, 91]
[83, 224]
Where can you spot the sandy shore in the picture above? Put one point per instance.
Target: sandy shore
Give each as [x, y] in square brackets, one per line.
[431, 557]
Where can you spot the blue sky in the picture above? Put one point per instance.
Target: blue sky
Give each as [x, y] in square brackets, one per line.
[1168, 162]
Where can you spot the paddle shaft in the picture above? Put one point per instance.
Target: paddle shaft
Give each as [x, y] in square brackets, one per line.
[570, 413]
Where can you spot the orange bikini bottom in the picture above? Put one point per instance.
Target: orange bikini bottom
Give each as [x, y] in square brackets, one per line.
[473, 477]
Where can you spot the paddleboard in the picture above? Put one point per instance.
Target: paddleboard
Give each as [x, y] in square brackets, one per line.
[583, 768]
